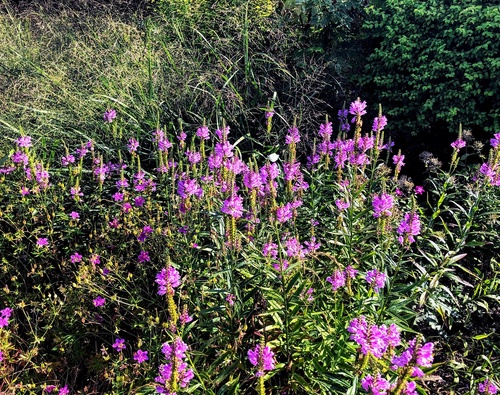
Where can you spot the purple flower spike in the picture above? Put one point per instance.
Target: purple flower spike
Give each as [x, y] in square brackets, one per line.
[382, 205]
[458, 144]
[262, 358]
[167, 278]
[337, 279]
[357, 108]
[376, 279]
[233, 206]
[488, 387]
[24, 141]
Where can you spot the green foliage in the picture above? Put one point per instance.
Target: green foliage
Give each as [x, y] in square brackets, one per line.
[336, 19]
[238, 292]
[435, 63]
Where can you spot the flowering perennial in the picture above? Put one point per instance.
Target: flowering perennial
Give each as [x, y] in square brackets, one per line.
[262, 358]
[175, 373]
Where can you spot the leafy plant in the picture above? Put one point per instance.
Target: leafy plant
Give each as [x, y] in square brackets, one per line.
[434, 63]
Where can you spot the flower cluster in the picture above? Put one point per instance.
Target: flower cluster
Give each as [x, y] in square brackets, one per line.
[408, 228]
[338, 278]
[167, 279]
[262, 357]
[382, 205]
[373, 339]
[175, 373]
[415, 356]
[5, 316]
[376, 279]
[487, 386]
[379, 343]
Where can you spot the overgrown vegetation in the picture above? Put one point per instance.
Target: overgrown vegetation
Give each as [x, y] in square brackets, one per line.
[171, 219]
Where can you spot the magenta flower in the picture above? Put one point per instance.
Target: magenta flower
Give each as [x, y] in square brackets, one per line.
[293, 136]
[357, 108]
[423, 358]
[109, 115]
[311, 245]
[119, 345]
[182, 136]
[379, 123]
[99, 301]
[337, 279]
[174, 354]
[146, 231]
[284, 213]
[294, 249]
[66, 160]
[398, 160]
[76, 257]
[350, 271]
[382, 205]
[419, 190]
[19, 157]
[495, 141]
[377, 385]
[168, 278]
[409, 227]
[1, 356]
[185, 318]
[425, 355]
[342, 204]
[24, 141]
[139, 201]
[233, 206]
[230, 299]
[270, 250]
[64, 390]
[458, 144]
[49, 388]
[189, 187]
[114, 223]
[42, 242]
[132, 145]
[488, 387]
[325, 130]
[203, 133]
[74, 215]
[76, 193]
[371, 338]
[262, 358]
[118, 196]
[224, 150]
[5, 316]
[95, 259]
[140, 356]
[143, 257]
[223, 133]
[376, 279]
[193, 157]
[410, 388]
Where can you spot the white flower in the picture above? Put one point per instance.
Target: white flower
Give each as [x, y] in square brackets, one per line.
[273, 157]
